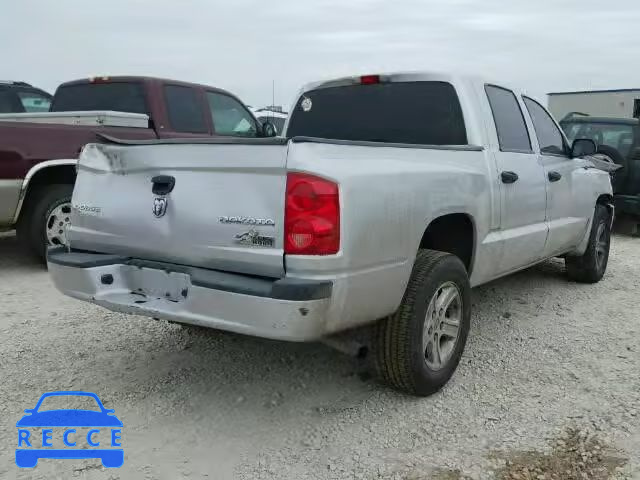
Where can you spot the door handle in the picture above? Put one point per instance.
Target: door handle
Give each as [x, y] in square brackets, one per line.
[554, 176]
[163, 184]
[509, 177]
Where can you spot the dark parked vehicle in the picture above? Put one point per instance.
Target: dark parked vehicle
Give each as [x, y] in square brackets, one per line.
[619, 139]
[38, 151]
[20, 97]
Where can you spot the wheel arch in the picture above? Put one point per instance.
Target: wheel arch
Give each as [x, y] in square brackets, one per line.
[606, 199]
[62, 171]
[453, 233]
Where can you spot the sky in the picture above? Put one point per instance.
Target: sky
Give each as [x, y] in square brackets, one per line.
[246, 46]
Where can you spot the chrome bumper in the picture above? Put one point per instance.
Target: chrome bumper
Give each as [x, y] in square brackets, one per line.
[284, 309]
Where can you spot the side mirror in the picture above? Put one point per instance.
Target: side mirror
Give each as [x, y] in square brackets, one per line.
[582, 147]
[268, 129]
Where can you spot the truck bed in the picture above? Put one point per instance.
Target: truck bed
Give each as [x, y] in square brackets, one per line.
[23, 145]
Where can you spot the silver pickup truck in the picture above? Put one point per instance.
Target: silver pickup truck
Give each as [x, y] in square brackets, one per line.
[389, 197]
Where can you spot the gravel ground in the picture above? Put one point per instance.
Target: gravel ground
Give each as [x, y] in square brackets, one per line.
[545, 357]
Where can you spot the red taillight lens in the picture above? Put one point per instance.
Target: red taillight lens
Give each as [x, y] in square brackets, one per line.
[369, 79]
[311, 216]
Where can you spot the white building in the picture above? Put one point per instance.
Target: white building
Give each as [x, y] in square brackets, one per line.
[623, 103]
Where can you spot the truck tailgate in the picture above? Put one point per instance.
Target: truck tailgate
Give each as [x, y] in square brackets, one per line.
[225, 208]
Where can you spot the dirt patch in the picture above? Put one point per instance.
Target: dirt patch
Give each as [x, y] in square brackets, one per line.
[448, 475]
[439, 474]
[576, 456]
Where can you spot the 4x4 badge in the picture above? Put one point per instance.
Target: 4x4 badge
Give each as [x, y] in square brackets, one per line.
[253, 237]
[160, 206]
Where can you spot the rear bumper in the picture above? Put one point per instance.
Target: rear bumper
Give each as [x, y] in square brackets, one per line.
[284, 309]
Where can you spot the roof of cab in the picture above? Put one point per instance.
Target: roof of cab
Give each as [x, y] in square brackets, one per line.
[610, 120]
[141, 79]
[415, 76]
[384, 77]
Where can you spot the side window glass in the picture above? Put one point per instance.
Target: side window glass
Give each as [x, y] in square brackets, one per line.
[230, 117]
[510, 125]
[9, 103]
[184, 109]
[549, 136]
[34, 102]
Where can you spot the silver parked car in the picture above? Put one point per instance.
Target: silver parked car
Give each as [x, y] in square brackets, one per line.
[353, 218]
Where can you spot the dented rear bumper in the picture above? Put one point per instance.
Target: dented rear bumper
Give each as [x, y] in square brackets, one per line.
[284, 309]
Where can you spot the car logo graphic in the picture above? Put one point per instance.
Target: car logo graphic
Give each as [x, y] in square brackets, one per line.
[159, 206]
[105, 431]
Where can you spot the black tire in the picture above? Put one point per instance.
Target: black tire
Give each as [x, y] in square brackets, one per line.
[619, 177]
[31, 228]
[397, 341]
[592, 265]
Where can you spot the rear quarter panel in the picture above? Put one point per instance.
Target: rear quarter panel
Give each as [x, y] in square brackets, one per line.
[388, 198]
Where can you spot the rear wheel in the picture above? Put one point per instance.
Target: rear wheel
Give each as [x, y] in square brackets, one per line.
[591, 266]
[418, 349]
[46, 219]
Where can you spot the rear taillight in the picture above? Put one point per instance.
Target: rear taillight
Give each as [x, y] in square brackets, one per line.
[311, 216]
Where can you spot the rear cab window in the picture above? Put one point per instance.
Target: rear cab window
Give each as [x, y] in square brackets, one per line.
[117, 96]
[421, 113]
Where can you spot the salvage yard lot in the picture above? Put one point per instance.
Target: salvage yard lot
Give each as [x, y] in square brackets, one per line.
[545, 356]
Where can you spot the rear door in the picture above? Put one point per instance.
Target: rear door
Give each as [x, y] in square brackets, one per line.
[566, 212]
[216, 205]
[521, 175]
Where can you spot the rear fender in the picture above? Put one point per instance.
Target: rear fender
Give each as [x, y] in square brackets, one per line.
[582, 247]
[31, 174]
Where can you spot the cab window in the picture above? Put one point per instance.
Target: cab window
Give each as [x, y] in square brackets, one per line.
[513, 135]
[230, 117]
[184, 109]
[34, 102]
[549, 136]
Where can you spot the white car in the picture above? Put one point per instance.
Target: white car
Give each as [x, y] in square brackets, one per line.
[278, 119]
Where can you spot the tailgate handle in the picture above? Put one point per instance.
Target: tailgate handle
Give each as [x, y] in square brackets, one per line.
[163, 184]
